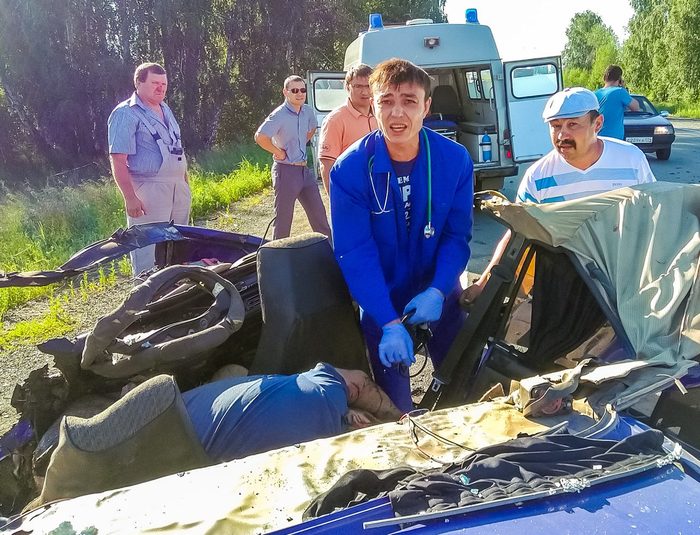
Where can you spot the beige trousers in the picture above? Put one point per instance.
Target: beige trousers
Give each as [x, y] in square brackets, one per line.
[166, 197]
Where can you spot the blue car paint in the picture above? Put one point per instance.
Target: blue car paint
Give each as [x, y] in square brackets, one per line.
[181, 242]
[646, 503]
[19, 435]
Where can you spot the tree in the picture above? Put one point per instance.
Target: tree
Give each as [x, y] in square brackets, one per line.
[645, 52]
[398, 11]
[579, 51]
[683, 38]
[66, 64]
[15, 148]
[58, 73]
[591, 46]
[607, 52]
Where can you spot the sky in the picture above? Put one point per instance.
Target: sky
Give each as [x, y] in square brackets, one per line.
[537, 28]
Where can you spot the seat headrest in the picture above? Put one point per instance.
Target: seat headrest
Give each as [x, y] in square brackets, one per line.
[445, 100]
[125, 417]
[295, 242]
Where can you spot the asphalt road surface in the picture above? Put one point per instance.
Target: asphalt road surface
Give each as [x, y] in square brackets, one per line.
[681, 168]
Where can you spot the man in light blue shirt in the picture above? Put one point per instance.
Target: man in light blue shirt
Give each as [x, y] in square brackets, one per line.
[285, 134]
[148, 162]
[614, 99]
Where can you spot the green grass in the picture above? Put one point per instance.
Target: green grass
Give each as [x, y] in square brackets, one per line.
[41, 229]
[55, 322]
[222, 160]
[690, 110]
[212, 192]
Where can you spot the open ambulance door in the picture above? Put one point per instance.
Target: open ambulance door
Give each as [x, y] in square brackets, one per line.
[529, 84]
[325, 92]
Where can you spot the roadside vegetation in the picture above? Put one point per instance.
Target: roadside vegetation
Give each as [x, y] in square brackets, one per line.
[42, 228]
[56, 319]
[659, 56]
[65, 66]
[690, 110]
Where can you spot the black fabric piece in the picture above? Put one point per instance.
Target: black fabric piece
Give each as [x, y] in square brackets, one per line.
[357, 486]
[518, 467]
[308, 315]
[564, 312]
[676, 409]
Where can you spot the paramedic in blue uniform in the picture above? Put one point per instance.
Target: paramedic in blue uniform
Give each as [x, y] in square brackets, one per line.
[148, 162]
[401, 209]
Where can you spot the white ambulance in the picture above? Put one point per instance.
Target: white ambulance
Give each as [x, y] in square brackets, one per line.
[493, 108]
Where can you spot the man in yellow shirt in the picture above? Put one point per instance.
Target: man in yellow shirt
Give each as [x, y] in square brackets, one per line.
[348, 123]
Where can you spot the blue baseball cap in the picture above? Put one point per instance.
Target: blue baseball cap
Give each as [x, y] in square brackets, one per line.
[571, 102]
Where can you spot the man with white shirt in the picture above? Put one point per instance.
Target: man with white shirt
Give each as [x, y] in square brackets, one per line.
[579, 165]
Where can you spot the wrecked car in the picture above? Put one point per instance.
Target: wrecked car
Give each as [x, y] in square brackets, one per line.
[569, 391]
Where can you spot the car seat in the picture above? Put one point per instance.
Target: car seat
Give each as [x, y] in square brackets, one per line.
[308, 316]
[446, 103]
[145, 435]
[181, 342]
[446, 112]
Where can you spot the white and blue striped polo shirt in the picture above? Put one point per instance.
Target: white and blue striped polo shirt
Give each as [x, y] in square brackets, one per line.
[553, 179]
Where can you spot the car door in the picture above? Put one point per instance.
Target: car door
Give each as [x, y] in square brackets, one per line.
[529, 84]
[326, 91]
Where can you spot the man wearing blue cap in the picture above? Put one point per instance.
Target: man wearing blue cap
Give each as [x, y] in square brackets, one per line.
[581, 163]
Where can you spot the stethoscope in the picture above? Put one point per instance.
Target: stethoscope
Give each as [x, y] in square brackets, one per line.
[429, 229]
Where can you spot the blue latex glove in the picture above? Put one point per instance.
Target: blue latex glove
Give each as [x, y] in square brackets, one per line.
[396, 346]
[427, 306]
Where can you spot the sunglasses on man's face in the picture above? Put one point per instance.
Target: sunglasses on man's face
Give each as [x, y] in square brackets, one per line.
[296, 90]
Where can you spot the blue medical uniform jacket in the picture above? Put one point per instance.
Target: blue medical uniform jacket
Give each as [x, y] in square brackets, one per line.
[385, 264]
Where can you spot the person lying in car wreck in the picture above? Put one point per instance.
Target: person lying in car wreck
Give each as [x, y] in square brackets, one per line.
[241, 416]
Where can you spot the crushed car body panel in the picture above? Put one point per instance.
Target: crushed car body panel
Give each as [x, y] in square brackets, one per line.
[635, 247]
[186, 240]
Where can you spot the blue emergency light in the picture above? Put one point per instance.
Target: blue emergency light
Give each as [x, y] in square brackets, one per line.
[375, 22]
[471, 16]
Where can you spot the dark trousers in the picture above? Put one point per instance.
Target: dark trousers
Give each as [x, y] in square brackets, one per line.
[395, 381]
[292, 182]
